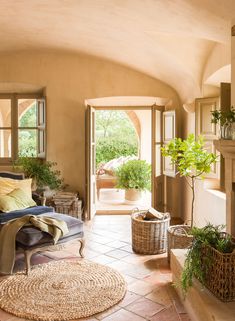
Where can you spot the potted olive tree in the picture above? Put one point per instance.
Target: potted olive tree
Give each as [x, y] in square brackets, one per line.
[134, 176]
[192, 162]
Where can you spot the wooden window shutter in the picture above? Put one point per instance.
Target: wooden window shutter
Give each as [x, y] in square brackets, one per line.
[169, 131]
[209, 131]
[41, 109]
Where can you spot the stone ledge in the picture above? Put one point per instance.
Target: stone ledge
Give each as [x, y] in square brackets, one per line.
[200, 304]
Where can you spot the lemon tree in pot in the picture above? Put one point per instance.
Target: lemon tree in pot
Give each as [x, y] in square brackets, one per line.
[192, 161]
[134, 176]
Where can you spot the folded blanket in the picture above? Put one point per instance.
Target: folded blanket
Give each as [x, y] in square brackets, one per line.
[56, 228]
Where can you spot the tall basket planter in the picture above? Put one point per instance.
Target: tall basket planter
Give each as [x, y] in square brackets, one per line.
[220, 273]
[178, 238]
[149, 237]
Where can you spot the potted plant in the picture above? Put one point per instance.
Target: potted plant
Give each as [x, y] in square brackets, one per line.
[134, 176]
[211, 260]
[192, 161]
[226, 120]
[42, 173]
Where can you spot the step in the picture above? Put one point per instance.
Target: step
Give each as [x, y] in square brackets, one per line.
[200, 303]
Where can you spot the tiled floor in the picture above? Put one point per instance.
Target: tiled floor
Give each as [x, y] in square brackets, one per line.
[113, 199]
[150, 294]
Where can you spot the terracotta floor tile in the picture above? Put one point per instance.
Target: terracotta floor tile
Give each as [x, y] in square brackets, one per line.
[133, 258]
[144, 307]
[175, 298]
[129, 298]
[140, 287]
[103, 259]
[129, 279]
[161, 296]
[184, 317]
[127, 248]
[117, 244]
[4, 316]
[100, 248]
[148, 276]
[136, 271]
[168, 314]
[117, 254]
[123, 315]
[86, 319]
[101, 239]
[120, 266]
[90, 254]
[106, 313]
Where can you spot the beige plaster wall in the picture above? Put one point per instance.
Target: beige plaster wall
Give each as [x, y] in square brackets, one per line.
[69, 80]
[146, 134]
[209, 204]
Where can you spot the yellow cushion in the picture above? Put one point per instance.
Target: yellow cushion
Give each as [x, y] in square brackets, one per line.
[7, 185]
[15, 200]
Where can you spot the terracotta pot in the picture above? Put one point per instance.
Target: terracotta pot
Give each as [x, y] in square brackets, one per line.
[133, 194]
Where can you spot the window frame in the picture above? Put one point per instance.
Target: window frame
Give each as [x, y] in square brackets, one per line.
[15, 126]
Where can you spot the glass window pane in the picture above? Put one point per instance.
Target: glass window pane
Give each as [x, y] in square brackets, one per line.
[27, 112]
[5, 143]
[5, 112]
[27, 142]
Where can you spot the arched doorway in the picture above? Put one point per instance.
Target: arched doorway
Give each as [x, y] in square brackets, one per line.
[155, 106]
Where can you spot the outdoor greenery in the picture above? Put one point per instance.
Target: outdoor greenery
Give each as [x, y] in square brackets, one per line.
[42, 172]
[28, 137]
[115, 136]
[134, 174]
[191, 160]
[194, 266]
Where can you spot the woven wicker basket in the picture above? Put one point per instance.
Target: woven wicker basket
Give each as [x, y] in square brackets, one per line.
[220, 274]
[73, 208]
[178, 238]
[149, 237]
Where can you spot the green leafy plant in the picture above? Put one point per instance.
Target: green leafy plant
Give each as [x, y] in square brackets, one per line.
[134, 174]
[197, 265]
[191, 160]
[223, 117]
[41, 171]
[111, 148]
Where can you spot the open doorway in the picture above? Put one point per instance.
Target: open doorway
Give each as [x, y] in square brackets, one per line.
[162, 128]
[121, 138]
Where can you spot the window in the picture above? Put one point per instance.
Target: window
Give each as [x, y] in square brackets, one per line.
[22, 127]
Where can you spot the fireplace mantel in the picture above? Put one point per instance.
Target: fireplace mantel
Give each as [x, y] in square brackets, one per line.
[227, 149]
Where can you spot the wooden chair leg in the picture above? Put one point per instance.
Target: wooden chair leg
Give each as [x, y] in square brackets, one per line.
[27, 255]
[82, 244]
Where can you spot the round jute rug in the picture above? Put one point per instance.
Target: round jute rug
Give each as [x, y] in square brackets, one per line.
[64, 290]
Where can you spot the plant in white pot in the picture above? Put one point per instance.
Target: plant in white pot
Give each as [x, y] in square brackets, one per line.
[134, 176]
[192, 162]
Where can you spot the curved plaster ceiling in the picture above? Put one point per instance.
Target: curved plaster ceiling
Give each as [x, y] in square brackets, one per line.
[221, 75]
[167, 39]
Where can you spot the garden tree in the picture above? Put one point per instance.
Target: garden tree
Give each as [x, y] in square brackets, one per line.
[115, 136]
[27, 137]
[191, 160]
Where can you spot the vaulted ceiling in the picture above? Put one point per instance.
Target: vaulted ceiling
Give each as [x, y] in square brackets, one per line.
[168, 39]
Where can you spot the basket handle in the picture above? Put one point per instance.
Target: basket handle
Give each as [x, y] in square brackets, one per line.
[136, 209]
[181, 229]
